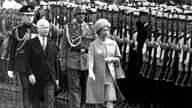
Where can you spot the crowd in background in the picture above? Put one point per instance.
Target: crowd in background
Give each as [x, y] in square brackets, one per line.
[18, 3]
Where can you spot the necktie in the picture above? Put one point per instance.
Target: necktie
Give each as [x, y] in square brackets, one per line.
[43, 44]
[81, 29]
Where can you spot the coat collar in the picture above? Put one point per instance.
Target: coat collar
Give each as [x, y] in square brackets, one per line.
[39, 47]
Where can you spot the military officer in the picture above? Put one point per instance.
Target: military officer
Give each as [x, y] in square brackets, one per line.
[20, 34]
[75, 42]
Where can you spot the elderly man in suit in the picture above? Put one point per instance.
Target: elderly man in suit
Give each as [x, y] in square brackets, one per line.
[40, 60]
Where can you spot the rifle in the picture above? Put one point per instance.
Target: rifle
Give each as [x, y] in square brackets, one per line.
[181, 73]
[188, 63]
[118, 24]
[190, 66]
[159, 64]
[102, 12]
[99, 10]
[149, 48]
[175, 58]
[112, 21]
[61, 22]
[120, 27]
[65, 15]
[144, 65]
[54, 21]
[125, 44]
[165, 52]
[107, 12]
[131, 43]
[153, 56]
[170, 50]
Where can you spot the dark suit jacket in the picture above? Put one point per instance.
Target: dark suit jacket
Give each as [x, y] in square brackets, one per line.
[41, 64]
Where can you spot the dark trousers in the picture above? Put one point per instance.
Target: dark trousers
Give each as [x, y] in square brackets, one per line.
[4, 68]
[48, 93]
[23, 77]
[77, 80]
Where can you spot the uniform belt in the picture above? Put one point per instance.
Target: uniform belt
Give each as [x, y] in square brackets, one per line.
[82, 51]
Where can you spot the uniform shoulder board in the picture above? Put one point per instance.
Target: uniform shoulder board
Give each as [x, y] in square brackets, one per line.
[71, 23]
[90, 23]
[34, 25]
[17, 26]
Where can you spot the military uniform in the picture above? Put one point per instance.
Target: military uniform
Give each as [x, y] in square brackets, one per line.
[18, 40]
[21, 34]
[74, 57]
[75, 43]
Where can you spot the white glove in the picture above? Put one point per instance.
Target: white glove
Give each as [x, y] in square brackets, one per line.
[57, 82]
[91, 74]
[32, 79]
[10, 74]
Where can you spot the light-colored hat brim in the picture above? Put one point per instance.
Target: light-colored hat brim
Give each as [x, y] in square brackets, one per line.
[28, 13]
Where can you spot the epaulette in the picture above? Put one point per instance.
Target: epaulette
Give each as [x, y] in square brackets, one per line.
[34, 25]
[72, 22]
[17, 26]
[90, 23]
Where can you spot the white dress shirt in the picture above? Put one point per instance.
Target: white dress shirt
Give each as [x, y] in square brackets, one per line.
[41, 41]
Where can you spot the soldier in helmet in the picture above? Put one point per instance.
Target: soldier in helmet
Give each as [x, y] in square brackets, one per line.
[20, 34]
[74, 48]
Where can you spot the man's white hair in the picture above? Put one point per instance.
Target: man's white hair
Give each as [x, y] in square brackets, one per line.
[42, 22]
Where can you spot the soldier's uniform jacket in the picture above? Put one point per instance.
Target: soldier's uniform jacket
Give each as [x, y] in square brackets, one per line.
[75, 44]
[17, 42]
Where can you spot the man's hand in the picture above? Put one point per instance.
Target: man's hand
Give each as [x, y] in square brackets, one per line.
[32, 79]
[10, 74]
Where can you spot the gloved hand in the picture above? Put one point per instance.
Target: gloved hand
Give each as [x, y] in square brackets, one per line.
[180, 68]
[125, 40]
[175, 47]
[57, 85]
[57, 82]
[91, 74]
[190, 50]
[186, 67]
[32, 79]
[185, 48]
[10, 74]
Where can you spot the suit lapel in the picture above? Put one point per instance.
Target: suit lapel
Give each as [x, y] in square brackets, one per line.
[39, 47]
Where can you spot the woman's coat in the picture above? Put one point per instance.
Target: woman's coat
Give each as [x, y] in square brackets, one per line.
[97, 52]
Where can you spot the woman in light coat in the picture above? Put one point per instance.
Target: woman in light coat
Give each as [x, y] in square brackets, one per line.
[103, 58]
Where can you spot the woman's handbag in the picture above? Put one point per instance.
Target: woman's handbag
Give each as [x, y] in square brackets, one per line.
[119, 71]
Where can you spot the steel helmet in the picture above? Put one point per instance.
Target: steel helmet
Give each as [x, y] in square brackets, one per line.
[78, 10]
